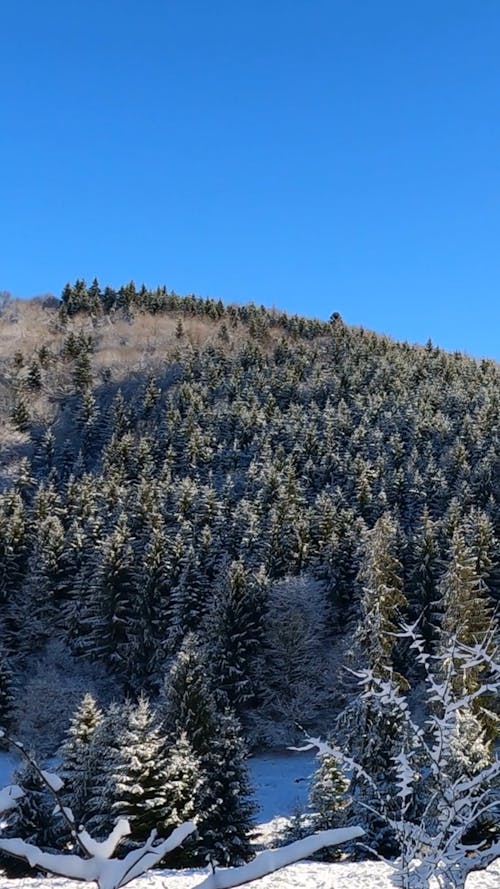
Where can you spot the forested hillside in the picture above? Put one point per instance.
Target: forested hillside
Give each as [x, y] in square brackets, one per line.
[232, 494]
[167, 463]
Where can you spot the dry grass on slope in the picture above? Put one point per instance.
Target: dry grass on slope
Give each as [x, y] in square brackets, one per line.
[120, 346]
[121, 349]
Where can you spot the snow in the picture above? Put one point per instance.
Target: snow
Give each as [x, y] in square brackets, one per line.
[54, 781]
[8, 797]
[106, 848]
[270, 861]
[282, 785]
[108, 873]
[281, 782]
[304, 875]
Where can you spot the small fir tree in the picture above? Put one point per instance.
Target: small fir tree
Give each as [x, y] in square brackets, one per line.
[104, 756]
[108, 625]
[78, 756]
[188, 708]
[328, 794]
[32, 819]
[139, 775]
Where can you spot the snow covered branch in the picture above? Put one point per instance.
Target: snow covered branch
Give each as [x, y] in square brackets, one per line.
[108, 873]
[270, 861]
[54, 785]
[447, 778]
[97, 864]
[9, 797]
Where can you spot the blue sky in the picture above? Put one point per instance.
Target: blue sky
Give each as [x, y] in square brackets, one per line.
[316, 155]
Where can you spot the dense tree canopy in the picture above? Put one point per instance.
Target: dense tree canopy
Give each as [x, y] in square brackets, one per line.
[157, 483]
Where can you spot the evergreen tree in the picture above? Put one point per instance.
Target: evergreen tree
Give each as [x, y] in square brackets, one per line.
[20, 414]
[425, 570]
[466, 611]
[38, 610]
[187, 703]
[13, 545]
[152, 603]
[108, 624]
[34, 378]
[82, 372]
[485, 548]
[328, 794]
[225, 832]
[373, 735]
[140, 775]
[293, 671]
[188, 708]
[337, 559]
[235, 630]
[188, 598]
[183, 781]
[32, 819]
[467, 619]
[382, 597]
[104, 757]
[78, 756]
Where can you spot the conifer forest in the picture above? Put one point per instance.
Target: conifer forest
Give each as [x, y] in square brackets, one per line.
[227, 529]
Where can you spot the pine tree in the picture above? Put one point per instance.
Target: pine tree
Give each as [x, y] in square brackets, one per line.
[104, 756]
[484, 545]
[467, 618]
[188, 599]
[372, 734]
[140, 775]
[337, 560]
[78, 756]
[152, 603]
[328, 794]
[425, 570]
[225, 832]
[38, 610]
[188, 708]
[94, 297]
[20, 414]
[108, 626]
[187, 703]
[34, 378]
[13, 545]
[382, 598]
[183, 781]
[151, 396]
[82, 372]
[293, 669]
[235, 630]
[32, 819]
[467, 612]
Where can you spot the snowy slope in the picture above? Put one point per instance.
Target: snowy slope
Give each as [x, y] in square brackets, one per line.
[281, 782]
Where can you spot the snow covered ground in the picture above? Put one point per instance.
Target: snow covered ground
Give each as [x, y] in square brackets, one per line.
[359, 875]
[281, 782]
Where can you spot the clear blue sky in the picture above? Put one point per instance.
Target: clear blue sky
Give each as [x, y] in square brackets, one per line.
[316, 155]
